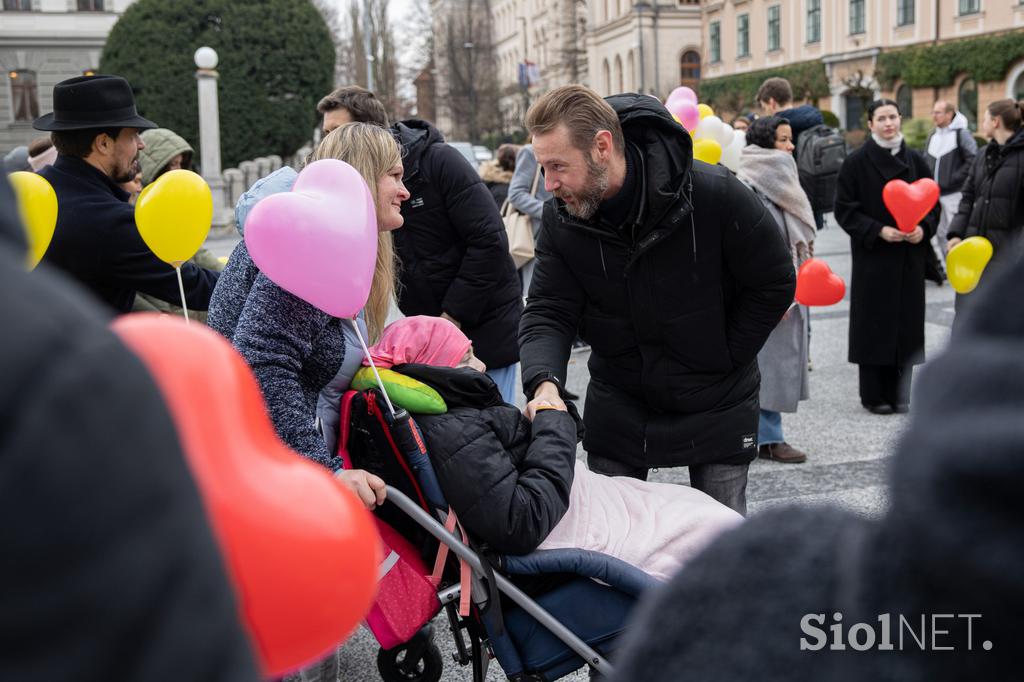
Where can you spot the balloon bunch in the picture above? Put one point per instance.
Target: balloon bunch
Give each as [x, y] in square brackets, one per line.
[714, 140]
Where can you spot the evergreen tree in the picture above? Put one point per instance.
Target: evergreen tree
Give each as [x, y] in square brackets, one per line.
[276, 60]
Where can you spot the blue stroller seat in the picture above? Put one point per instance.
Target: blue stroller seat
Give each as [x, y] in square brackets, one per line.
[540, 637]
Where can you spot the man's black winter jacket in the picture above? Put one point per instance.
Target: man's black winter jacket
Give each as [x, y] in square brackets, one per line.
[676, 304]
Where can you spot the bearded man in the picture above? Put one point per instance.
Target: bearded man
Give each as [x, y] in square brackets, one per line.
[95, 128]
[673, 272]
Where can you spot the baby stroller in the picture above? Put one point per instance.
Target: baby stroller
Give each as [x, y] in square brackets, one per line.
[542, 615]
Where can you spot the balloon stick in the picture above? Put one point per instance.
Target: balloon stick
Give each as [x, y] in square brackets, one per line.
[181, 289]
[376, 374]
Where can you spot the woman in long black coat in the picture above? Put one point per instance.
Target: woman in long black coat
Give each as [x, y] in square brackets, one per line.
[887, 287]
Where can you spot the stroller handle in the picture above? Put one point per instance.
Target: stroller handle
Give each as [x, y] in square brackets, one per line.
[432, 526]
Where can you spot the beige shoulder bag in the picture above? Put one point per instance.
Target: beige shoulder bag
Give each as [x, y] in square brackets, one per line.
[519, 228]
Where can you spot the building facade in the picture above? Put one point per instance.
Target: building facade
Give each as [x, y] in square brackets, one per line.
[650, 47]
[851, 39]
[539, 45]
[609, 45]
[43, 42]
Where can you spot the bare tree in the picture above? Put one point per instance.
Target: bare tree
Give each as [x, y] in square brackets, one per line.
[416, 53]
[471, 69]
[353, 63]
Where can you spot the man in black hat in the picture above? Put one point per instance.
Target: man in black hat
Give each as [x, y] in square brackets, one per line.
[95, 128]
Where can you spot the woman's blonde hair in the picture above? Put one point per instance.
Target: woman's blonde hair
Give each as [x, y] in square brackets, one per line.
[372, 151]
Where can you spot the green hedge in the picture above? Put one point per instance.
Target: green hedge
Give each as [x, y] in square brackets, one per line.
[987, 58]
[734, 93]
[276, 61]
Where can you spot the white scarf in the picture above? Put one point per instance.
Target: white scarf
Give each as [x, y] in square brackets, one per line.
[773, 173]
[892, 145]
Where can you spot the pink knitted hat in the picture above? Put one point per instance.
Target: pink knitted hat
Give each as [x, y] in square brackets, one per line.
[421, 340]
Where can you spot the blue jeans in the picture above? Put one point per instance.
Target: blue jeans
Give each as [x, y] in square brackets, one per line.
[769, 428]
[726, 483]
[505, 378]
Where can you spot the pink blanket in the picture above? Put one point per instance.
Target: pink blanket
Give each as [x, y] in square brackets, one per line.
[656, 527]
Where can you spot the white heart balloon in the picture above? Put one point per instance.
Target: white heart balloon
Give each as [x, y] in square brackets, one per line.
[708, 128]
[725, 135]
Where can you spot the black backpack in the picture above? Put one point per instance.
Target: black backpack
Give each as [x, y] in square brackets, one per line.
[820, 153]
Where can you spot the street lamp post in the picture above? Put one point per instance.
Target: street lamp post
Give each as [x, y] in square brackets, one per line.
[209, 131]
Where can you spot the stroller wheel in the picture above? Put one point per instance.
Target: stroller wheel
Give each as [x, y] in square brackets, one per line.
[395, 665]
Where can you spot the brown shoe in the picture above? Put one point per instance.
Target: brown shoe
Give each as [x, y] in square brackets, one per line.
[781, 452]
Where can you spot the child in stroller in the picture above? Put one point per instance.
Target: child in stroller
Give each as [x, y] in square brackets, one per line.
[518, 486]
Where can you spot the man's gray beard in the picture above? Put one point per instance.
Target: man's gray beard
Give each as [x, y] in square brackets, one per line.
[597, 184]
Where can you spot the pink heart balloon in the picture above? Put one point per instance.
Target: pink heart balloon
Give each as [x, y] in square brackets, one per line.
[682, 94]
[318, 241]
[687, 113]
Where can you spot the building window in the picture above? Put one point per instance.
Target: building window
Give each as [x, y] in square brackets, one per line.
[813, 21]
[774, 29]
[607, 73]
[905, 101]
[715, 40]
[24, 95]
[1018, 85]
[970, 7]
[967, 101]
[18, 5]
[689, 69]
[904, 12]
[743, 35]
[90, 5]
[856, 16]
[619, 87]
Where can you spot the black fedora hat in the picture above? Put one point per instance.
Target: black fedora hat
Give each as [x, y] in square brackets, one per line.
[92, 102]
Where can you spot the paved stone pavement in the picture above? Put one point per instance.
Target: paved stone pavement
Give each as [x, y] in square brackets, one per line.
[848, 448]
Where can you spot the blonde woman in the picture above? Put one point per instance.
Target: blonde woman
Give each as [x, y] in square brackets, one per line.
[302, 357]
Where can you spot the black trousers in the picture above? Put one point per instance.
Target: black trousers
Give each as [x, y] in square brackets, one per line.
[885, 384]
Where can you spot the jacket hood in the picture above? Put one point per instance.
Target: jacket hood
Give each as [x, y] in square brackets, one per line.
[802, 117]
[959, 122]
[1015, 142]
[162, 145]
[17, 160]
[491, 171]
[666, 149]
[459, 386]
[280, 180]
[415, 136]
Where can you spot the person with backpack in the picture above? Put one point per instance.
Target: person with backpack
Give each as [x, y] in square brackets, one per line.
[887, 284]
[820, 150]
[949, 150]
[993, 194]
[768, 168]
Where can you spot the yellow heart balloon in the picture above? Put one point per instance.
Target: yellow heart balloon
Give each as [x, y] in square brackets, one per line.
[174, 214]
[708, 151]
[965, 263]
[705, 111]
[37, 204]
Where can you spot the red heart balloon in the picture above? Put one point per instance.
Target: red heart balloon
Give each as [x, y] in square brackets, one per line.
[909, 204]
[817, 285]
[300, 548]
